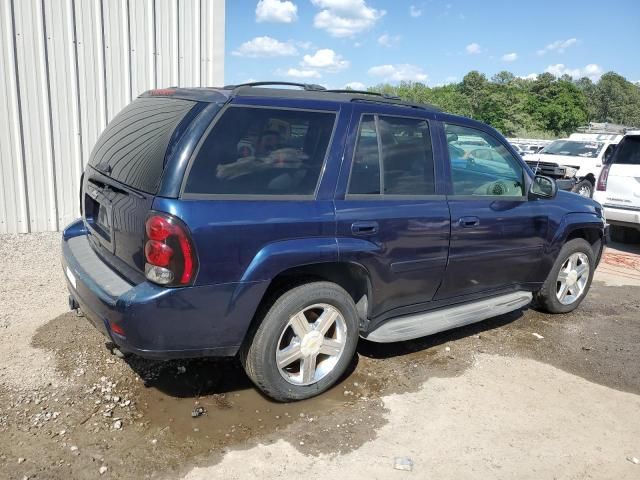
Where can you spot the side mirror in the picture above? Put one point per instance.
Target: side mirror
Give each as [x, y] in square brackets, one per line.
[543, 187]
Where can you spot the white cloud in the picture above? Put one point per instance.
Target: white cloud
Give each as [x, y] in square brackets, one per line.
[356, 86]
[387, 40]
[531, 76]
[473, 48]
[592, 71]
[265, 47]
[325, 59]
[558, 46]
[278, 11]
[345, 18]
[302, 73]
[510, 57]
[414, 11]
[399, 73]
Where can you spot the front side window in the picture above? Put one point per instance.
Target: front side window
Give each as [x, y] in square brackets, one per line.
[398, 147]
[481, 165]
[262, 151]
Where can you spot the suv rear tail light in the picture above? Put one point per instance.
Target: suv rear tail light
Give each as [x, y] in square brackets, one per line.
[602, 179]
[168, 251]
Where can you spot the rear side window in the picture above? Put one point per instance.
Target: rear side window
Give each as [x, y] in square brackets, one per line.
[132, 148]
[404, 146]
[628, 153]
[262, 151]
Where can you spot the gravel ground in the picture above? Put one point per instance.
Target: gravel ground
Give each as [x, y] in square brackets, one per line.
[524, 395]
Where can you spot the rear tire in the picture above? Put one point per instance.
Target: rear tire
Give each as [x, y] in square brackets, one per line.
[305, 342]
[568, 282]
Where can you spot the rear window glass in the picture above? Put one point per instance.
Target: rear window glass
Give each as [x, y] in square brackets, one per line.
[262, 151]
[132, 148]
[628, 152]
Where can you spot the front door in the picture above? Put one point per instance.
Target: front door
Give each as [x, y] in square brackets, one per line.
[392, 219]
[497, 234]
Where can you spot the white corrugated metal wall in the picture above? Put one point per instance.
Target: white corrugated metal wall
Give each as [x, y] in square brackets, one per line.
[66, 68]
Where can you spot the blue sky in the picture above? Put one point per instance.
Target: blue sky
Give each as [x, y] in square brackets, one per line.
[365, 42]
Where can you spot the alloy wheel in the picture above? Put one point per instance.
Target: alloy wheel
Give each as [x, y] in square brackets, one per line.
[572, 278]
[311, 344]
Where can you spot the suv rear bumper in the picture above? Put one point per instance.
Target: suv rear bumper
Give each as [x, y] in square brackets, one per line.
[157, 322]
[624, 217]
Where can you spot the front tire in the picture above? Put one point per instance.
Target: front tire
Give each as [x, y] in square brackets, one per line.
[305, 342]
[584, 188]
[570, 278]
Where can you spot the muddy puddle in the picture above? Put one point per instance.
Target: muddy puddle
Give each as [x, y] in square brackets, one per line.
[153, 401]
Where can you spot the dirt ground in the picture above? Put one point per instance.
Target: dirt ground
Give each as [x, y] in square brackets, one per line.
[524, 395]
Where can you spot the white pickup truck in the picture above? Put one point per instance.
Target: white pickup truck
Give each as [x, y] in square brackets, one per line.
[575, 162]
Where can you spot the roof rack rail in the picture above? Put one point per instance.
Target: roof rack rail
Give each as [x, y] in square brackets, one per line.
[365, 92]
[399, 103]
[310, 87]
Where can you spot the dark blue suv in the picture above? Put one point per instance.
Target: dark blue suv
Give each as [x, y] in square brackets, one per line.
[281, 225]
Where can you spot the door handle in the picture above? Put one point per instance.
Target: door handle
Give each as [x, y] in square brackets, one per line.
[469, 222]
[364, 228]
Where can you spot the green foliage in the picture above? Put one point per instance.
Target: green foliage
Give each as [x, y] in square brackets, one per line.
[544, 107]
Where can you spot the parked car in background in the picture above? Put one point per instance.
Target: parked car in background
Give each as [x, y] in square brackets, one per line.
[618, 189]
[282, 225]
[575, 162]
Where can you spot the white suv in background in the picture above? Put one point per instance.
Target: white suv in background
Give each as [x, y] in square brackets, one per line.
[618, 189]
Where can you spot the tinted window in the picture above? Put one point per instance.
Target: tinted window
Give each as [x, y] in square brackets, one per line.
[262, 151]
[132, 148]
[628, 152]
[407, 158]
[481, 165]
[365, 172]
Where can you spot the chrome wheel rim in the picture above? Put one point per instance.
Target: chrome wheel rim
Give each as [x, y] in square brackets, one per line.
[311, 344]
[585, 191]
[572, 278]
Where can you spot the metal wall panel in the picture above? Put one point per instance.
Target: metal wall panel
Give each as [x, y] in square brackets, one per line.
[67, 67]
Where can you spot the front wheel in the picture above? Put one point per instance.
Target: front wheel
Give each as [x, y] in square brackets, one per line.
[569, 279]
[304, 343]
[584, 188]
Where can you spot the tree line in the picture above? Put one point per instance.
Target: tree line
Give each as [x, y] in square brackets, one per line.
[544, 107]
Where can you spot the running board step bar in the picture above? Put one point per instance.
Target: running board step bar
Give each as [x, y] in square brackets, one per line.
[428, 323]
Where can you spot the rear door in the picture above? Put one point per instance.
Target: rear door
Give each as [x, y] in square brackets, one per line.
[391, 217]
[623, 184]
[124, 173]
[497, 234]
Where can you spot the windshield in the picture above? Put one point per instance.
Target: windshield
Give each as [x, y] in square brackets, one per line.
[573, 148]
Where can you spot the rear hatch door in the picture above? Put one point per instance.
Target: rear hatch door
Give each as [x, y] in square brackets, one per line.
[623, 184]
[124, 174]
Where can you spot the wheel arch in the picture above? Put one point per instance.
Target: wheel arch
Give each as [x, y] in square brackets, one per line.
[351, 276]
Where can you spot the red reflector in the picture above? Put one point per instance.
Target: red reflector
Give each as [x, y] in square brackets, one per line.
[185, 246]
[158, 253]
[158, 228]
[116, 328]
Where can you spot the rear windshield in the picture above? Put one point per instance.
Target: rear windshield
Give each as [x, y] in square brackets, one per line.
[262, 151]
[132, 148]
[628, 152]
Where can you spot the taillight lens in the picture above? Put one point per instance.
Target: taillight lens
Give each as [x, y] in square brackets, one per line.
[168, 250]
[602, 179]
